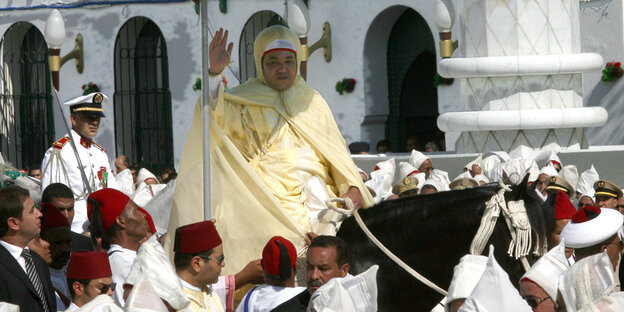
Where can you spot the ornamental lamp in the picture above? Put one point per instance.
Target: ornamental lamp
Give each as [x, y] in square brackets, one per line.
[299, 22]
[444, 17]
[55, 36]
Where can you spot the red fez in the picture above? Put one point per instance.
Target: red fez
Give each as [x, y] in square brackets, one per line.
[278, 257]
[52, 217]
[196, 237]
[150, 221]
[111, 202]
[563, 207]
[88, 265]
[585, 214]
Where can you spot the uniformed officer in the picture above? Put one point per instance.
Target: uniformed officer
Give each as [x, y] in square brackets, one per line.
[607, 194]
[61, 165]
[557, 183]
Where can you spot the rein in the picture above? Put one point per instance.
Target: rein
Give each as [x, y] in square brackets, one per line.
[351, 211]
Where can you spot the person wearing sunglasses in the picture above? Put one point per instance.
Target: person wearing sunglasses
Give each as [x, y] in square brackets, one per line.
[90, 282]
[198, 261]
[538, 286]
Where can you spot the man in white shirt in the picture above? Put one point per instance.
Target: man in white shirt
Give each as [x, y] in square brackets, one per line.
[90, 283]
[122, 226]
[279, 259]
[60, 163]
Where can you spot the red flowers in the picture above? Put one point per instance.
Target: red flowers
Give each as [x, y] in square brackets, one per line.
[611, 72]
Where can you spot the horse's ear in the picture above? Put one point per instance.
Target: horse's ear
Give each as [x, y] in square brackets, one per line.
[522, 187]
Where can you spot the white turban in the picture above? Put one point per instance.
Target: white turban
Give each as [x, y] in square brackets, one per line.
[145, 174]
[494, 291]
[465, 277]
[417, 158]
[546, 271]
[590, 226]
[585, 184]
[589, 279]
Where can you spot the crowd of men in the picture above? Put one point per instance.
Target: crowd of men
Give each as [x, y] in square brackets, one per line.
[90, 246]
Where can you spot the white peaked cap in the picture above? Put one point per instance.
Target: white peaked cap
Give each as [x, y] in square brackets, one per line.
[86, 99]
[465, 277]
[476, 161]
[405, 169]
[549, 171]
[357, 293]
[417, 158]
[570, 174]
[587, 178]
[582, 231]
[587, 280]
[546, 271]
[494, 291]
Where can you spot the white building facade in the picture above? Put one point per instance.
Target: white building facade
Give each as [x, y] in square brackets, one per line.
[147, 56]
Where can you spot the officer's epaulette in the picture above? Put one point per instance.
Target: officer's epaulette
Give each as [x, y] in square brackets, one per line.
[60, 143]
[98, 146]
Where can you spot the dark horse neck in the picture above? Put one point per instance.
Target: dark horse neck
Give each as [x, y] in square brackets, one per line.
[430, 233]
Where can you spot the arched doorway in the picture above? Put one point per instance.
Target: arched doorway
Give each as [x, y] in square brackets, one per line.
[254, 25]
[412, 97]
[143, 126]
[26, 118]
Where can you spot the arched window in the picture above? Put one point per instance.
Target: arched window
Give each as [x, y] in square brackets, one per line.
[143, 128]
[255, 24]
[26, 119]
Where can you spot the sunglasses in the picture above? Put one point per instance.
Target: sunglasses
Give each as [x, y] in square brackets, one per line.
[219, 260]
[534, 302]
[105, 287]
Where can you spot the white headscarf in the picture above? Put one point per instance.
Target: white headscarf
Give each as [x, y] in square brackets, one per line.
[546, 271]
[357, 293]
[585, 184]
[514, 169]
[465, 277]
[406, 168]
[494, 291]
[442, 178]
[533, 171]
[570, 174]
[417, 158]
[549, 171]
[476, 161]
[381, 179]
[489, 165]
[589, 279]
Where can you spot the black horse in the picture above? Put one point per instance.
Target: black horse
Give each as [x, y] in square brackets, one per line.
[431, 233]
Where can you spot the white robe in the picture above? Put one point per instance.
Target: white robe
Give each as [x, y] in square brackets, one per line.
[266, 297]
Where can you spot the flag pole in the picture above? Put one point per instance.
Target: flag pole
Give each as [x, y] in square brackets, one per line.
[205, 106]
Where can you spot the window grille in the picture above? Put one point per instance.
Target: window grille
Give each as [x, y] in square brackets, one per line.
[143, 126]
[26, 117]
[255, 24]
